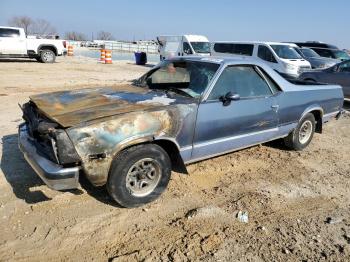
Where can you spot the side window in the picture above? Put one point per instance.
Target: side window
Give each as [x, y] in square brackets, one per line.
[187, 48]
[323, 52]
[222, 48]
[344, 67]
[273, 85]
[265, 54]
[242, 80]
[8, 32]
[243, 49]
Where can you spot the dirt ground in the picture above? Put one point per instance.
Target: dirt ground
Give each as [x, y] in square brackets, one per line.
[298, 203]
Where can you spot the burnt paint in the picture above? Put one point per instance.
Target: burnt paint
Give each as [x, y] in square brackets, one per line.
[115, 133]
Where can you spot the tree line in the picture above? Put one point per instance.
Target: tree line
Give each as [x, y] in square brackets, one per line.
[42, 27]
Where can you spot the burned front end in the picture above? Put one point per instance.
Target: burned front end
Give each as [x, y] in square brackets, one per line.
[48, 149]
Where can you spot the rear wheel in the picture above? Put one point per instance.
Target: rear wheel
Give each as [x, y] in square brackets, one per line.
[139, 175]
[47, 56]
[302, 134]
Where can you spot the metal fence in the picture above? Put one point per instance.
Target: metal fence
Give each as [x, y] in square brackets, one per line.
[131, 47]
[119, 46]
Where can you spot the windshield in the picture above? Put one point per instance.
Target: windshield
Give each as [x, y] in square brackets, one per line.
[286, 52]
[307, 52]
[190, 77]
[341, 54]
[201, 47]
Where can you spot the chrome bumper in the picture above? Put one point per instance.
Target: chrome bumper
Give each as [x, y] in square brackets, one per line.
[53, 175]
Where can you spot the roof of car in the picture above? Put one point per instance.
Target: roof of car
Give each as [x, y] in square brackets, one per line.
[253, 42]
[10, 27]
[219, 59]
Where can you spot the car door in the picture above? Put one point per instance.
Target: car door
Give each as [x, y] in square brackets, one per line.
[11, 42]
[343, 77]
[268, 57]
[223, 125]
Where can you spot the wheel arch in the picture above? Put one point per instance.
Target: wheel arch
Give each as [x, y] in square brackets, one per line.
[47, 46]
[317, 112]
[169, 145]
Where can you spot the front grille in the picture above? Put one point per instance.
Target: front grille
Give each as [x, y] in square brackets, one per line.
[37, 128]
[303, 68]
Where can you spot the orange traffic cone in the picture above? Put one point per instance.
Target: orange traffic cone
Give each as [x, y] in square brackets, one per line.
[108, 58]
[70, 50]
[103, 55]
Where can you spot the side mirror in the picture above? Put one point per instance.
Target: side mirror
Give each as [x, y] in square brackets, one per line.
[226, 99]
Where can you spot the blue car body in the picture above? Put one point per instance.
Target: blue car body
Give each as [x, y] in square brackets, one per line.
[94, 125]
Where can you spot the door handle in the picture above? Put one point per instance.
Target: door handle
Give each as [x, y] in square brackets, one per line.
[275, 107]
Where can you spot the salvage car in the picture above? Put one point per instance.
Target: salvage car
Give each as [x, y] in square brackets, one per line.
[338, 74]
[182, 111]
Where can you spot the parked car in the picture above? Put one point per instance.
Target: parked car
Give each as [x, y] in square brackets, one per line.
[315, 44]
[338, 74]
[332, 53]
[315, 59]
[280, 56]
[182, 111]
[183, 45]
[15, 44]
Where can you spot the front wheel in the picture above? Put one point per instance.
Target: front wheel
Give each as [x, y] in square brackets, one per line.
[139, 175]
[47, 56]
[302, 134]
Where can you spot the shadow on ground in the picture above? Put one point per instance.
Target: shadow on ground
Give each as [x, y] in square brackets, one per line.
[22, 178]
[99, 193]
[17, 60]
[18, 173]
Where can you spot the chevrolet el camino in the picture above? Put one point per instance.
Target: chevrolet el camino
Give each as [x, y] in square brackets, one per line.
[183, 110]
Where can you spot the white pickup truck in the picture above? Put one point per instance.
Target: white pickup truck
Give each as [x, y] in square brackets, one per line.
[15, 44]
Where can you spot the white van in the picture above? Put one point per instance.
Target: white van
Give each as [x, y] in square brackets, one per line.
[280, 56]
[170, 46]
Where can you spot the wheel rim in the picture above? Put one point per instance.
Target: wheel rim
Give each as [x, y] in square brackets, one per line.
[143, 177]
[305, 132]
[47, 56]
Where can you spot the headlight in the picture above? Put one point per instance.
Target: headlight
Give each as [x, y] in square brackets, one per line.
[291, 67]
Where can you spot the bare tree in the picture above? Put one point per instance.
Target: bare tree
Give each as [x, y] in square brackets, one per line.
[75, 36]
[22, 21]
[103, 35]
[43, 27]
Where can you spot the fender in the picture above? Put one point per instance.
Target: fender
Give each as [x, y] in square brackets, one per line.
[47, 45]
[312, 108]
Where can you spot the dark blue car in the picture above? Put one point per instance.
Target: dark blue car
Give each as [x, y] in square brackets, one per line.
[182, 111]
[338, 74]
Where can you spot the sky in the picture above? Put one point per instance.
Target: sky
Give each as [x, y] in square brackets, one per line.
[264, 20]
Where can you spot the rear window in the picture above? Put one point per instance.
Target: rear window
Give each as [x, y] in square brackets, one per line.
[8, 32]
[238, 49]
[324, 52]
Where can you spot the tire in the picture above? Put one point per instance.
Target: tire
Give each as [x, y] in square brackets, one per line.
[139, 175]
[38, 58]
[47, 56]
[302, 134]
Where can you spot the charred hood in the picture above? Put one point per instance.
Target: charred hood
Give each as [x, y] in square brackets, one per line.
[69, 108]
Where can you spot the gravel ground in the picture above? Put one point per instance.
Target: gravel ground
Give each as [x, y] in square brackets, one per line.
[298, 203]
